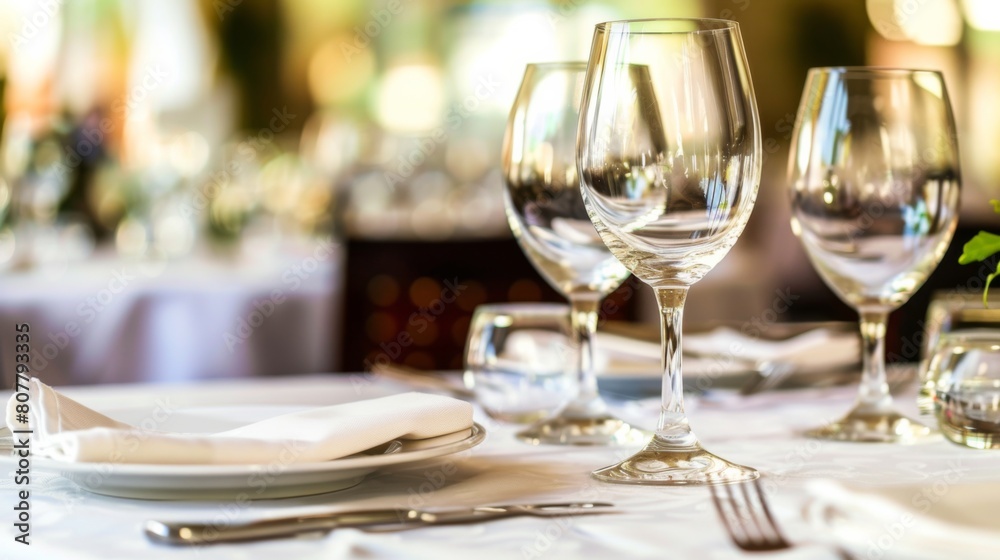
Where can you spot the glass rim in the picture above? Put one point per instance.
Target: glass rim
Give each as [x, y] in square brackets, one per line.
[714, 25]
[872, 71]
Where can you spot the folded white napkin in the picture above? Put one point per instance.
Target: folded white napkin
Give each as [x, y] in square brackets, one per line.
[66, 430]
[911, 522]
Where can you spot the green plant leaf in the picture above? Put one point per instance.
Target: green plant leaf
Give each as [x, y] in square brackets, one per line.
[986, 290]
[996, 205]
[981, 247]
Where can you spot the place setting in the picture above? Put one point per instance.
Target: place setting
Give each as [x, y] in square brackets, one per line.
[643, 368]
[189, 455]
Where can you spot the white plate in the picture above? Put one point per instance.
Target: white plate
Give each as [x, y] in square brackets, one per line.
[239, 482]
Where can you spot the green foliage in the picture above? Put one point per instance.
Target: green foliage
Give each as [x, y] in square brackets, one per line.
[981, 247]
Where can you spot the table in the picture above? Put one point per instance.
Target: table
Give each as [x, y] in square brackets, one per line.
[112, 320]
[654, 523]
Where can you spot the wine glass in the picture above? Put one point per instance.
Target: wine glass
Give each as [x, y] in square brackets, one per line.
[669, 155]
[546, 213]
[874, 183]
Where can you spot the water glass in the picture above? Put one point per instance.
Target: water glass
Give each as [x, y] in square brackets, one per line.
[519, 360]
[962, 387]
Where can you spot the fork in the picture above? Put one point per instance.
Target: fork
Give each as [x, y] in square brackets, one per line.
[748, 521]
[747, 518]
[766, 376]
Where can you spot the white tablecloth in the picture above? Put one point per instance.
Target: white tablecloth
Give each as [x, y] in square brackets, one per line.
[655, 523]
[110, 320]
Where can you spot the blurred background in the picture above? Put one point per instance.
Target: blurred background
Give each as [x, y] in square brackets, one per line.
[263, 187]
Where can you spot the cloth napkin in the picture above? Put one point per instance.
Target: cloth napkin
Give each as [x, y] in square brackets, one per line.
[65, 430]
[932, 521]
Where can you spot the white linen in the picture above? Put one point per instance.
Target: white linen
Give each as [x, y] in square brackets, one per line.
[764, 431]
[910, 522]
[114, 320]
[67, 431]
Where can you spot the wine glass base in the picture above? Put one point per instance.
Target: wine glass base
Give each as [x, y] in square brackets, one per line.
[880, 426]
[675, 466]
[602, 429]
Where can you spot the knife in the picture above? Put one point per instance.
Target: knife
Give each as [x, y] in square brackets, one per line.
[378, 519]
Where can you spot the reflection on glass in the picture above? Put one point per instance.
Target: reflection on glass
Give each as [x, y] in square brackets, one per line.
[548, 218]
[874, 184]
[516, 360]
[669, 154]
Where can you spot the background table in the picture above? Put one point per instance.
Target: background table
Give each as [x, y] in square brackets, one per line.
[110, 320]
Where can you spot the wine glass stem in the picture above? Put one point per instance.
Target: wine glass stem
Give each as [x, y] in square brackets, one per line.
[673, 428]
[873, 394]
[583, 320]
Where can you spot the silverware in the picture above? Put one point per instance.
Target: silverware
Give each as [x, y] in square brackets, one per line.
[766, 376]
[748, 521]
[377, 519]
[747, 518]
[421, 380]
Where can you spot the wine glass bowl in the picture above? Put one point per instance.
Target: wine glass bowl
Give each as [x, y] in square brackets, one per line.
[548, 218]
[669, 156]
[874, 185]
[543, 203]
